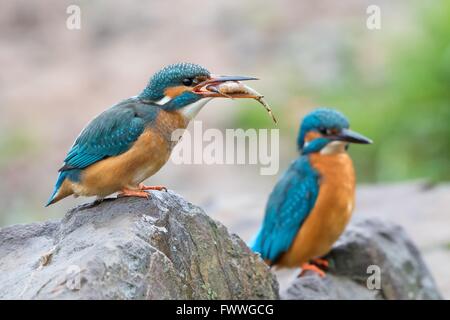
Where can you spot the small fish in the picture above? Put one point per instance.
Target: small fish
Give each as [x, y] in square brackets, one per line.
[233, 89]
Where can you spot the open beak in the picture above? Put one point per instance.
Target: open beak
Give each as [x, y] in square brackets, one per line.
[231, 87]
[351, 136]
[225, 87]
[218, 79]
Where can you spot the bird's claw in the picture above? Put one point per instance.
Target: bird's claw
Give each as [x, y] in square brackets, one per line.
[311, 267]
[320, 262]
[157, 188]
[133, 193]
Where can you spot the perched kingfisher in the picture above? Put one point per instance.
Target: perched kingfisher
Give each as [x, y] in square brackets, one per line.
[313, 201]
[132, 140]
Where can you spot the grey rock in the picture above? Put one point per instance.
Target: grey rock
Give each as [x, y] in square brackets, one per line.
[370, 242]
[131, 248]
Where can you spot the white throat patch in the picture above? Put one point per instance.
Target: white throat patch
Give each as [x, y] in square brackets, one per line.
[334, 147]
[163, 101]
[191, 110]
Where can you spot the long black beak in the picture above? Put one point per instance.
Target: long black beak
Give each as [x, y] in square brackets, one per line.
[231, 78]
[351, 136]
[219, 79]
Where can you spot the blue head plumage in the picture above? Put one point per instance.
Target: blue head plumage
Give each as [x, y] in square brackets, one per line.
[320, 120]
[328, 125]
[179, 74]
[183, 84]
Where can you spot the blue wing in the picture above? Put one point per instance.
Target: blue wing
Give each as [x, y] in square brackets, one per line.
[289, 204]
[110, 134]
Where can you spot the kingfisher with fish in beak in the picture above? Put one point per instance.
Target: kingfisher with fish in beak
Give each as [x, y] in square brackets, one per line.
[132, 140]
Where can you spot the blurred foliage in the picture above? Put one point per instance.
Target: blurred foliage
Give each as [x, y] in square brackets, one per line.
[406, 112]
[252, 115]
[14, 144]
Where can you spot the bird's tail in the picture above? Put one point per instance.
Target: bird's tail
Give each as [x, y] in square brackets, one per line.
[255, 243]
[57, 194]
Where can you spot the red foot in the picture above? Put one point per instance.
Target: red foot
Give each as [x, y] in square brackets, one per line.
[133, 193]
[158, 188]
[311, 267]
[320, 262]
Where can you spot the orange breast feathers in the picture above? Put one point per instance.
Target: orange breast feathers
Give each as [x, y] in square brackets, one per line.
[331, 212]
[146, 156]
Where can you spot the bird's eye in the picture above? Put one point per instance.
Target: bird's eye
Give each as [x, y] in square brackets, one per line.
[187, 81]
[326, 132]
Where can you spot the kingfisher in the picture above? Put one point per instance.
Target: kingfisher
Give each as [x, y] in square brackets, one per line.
[312, 203]
[132, 140]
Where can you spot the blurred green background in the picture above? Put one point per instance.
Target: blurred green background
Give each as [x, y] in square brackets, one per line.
[392, 83]
[402, 102]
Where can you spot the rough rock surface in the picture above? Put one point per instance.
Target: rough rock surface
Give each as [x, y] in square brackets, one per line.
[376, 243]
[130, 248]
[167, 248]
